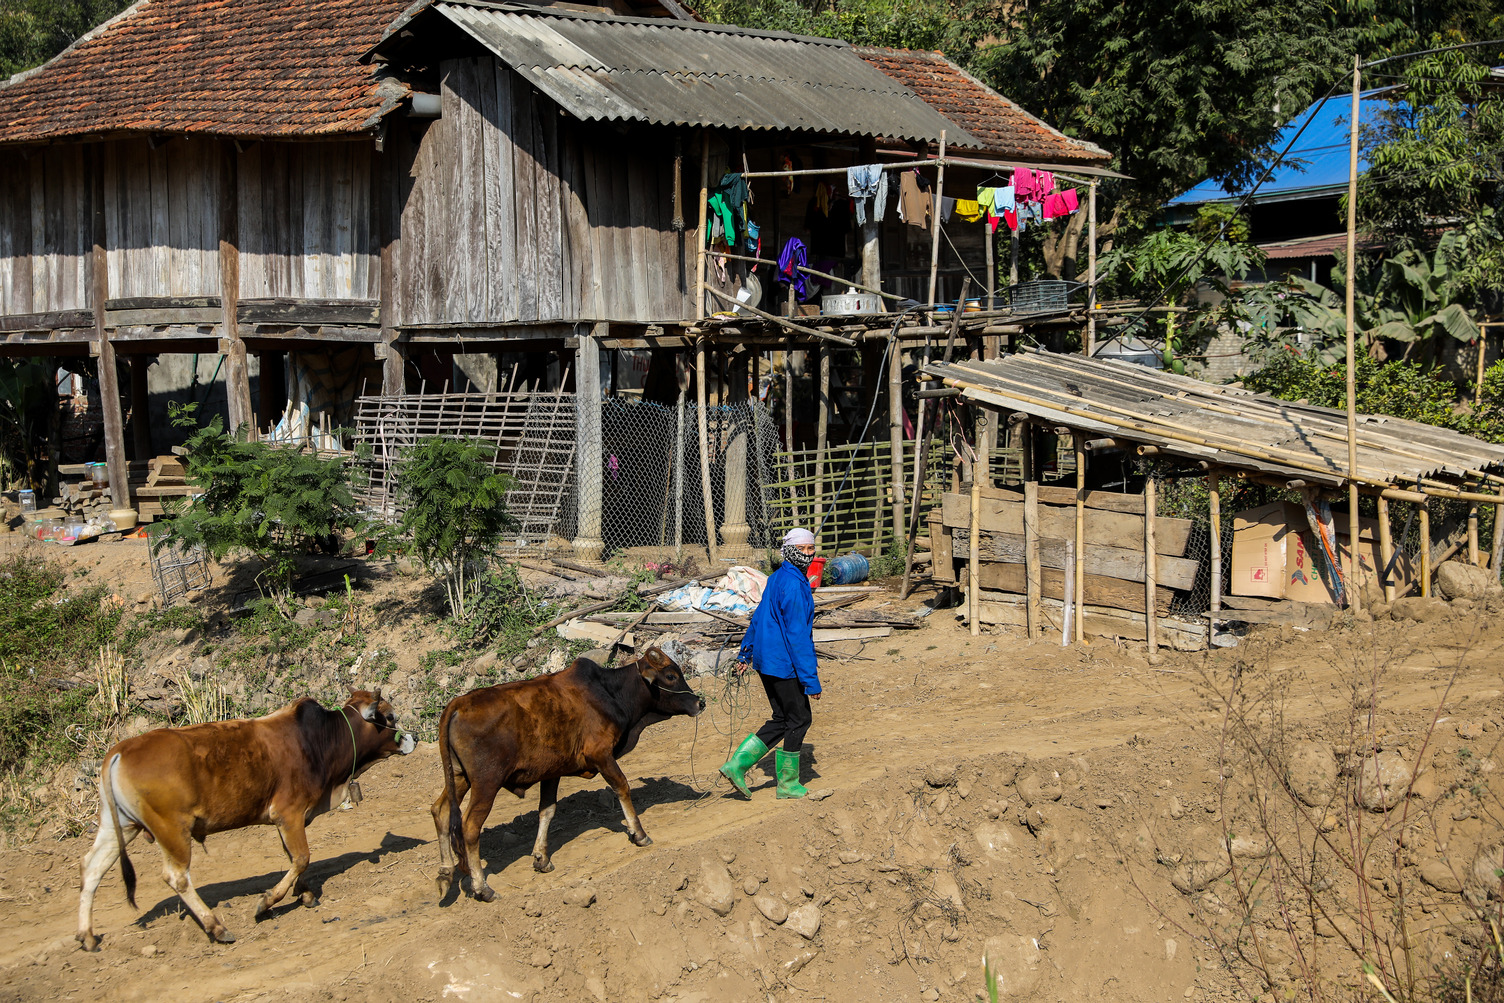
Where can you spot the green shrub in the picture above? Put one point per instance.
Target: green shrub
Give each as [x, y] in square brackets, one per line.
[502, 614]
[45, 626]
[272, 503]
[454, 512]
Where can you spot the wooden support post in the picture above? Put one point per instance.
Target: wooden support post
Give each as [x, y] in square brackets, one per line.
[895, 436]
[990, 239]
[1473, 554]
[1078, 440]
[237, 369]
[702, 377]
[1498, 540]
[1071, 605]
[393, 363]
[1386, 549]
[1482, 355]
[974, 561]
[140, 407]
[935, 221]
[1012, 261]
[872, 268]
[822, 430]
[1151, 572]
[1032, 579]
[1425, 547]
[109, 376]
[700, 256]
[734, 530]
[1089, 344]
[589, 448]
[1214, 511]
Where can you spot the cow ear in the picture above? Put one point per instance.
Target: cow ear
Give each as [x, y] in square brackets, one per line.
[369, 711]
[657, 658]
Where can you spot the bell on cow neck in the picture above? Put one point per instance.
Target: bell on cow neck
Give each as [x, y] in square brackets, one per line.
[352, 796]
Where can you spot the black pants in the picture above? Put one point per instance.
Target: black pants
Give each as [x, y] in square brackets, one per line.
[791, 714]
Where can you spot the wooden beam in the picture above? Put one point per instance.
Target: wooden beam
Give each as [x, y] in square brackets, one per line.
[1078, 556]
[1425, 548]
[109, 376]
[935, 223]
[1106, 529]
[1151, 598]
[1031, 556]
[1100, 590]
[780, 321]
[1214, 512]
[974, 568]
[1114, 562]
[56, 320]
[237, 370]
[1386, 548]
[1498, 540]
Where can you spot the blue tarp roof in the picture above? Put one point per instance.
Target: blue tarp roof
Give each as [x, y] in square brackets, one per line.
[1318, 161]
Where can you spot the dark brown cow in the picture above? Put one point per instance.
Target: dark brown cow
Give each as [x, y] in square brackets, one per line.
[577, 722]
[181, 784]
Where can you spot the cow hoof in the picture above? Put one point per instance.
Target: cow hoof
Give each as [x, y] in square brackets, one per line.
[309, 899]
[485, 893]
[265, 906]
[223, 936]
[542, 866]
[89, 942]
[643, 840]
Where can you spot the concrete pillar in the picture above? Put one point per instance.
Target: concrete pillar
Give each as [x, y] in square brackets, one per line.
[589, 483]
[734, 528]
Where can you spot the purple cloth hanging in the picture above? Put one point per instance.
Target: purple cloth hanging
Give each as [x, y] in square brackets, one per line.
[794, 256]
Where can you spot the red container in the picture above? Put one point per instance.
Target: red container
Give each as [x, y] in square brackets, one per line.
[815, 570]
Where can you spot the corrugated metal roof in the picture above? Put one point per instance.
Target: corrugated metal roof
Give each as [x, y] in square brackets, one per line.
[689, 74]
[1226, 426]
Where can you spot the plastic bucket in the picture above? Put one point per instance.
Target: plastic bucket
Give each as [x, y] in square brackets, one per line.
[847, 569]
[813, 572]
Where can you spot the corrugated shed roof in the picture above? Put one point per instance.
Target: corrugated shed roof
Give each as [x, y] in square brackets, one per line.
[1226, 426]
[999, 125]
[253, 68]
[601, 68]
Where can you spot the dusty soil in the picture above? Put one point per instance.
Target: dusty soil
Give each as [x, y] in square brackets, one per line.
[987, 795]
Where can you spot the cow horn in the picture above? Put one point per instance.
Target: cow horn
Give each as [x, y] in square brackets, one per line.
[377, 694]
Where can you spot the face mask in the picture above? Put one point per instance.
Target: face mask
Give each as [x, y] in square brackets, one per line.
[797, 557]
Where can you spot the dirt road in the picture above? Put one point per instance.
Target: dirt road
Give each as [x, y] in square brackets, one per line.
[987, 794]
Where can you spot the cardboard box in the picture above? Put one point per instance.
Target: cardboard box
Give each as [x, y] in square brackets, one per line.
[1275, 555]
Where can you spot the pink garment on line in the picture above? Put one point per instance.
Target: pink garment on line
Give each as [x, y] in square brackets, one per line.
[1023, 183]
[1061, 204]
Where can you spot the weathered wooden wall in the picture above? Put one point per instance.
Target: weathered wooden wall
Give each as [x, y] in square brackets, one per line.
[46, 230]
[514, 213]
[307, 221]
[161, 215]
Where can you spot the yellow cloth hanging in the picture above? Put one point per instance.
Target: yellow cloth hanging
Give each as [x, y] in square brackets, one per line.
[969, 210]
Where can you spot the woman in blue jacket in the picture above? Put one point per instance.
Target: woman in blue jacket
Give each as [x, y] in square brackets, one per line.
[780, 643]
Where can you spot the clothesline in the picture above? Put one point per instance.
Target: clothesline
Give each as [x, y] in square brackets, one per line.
[930, 162]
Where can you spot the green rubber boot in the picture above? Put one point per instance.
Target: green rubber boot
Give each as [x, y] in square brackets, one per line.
[787, 767]
[742, 760]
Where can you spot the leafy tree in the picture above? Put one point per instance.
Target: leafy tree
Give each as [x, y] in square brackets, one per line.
[902, 24]
[273, 503]
[454, 511]
[33, 31]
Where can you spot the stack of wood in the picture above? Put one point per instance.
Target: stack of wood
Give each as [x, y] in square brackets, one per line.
[83, 499]
[1113, 559]
[165, 478]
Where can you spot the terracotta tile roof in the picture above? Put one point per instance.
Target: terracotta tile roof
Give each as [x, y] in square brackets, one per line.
[251, 68]
[1003, 126]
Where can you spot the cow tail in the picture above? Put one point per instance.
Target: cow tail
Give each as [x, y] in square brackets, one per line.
[456, 830]
[107, 795]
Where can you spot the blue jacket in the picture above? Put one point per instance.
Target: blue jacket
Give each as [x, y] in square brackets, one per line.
[780, 641]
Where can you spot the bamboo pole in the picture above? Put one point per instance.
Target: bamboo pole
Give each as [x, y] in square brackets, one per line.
[780, 321]
[990, 238]
[1386, 548]
[822, 429]
[974, 560]
[1214, 510]
[1425, 548]
[1354, 593]
[1473, 554]
[1032, 578]
[678, 476]
[895, 435]
[1482, 353]
[1090, 345]
[788, 416]
[1151, 572]
[700, 241]
[1067, 623]
[703, 399]
[1079, 441]
[935, 222]
[1498, 540]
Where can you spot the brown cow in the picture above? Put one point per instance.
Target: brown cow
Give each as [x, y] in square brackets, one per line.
[179, 784]
[577, 722]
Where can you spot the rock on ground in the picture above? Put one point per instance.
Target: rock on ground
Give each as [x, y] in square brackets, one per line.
[1439, 875]
[1384, 782]
[716, 892]
[1313, 772]
[804, 920]
[1418, 608]
[1460, 580]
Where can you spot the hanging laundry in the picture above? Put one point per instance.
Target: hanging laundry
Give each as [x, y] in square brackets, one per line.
[822, 197]
[1010, 216]
[1005, 198]
[915, 205]
[1025, 183]
[864, 182]
[790, 183]
[793, 257]
[721, 223]
[1061, 204]
[946, 205]
[986, 197]
[1046, 182]
[970, 211]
